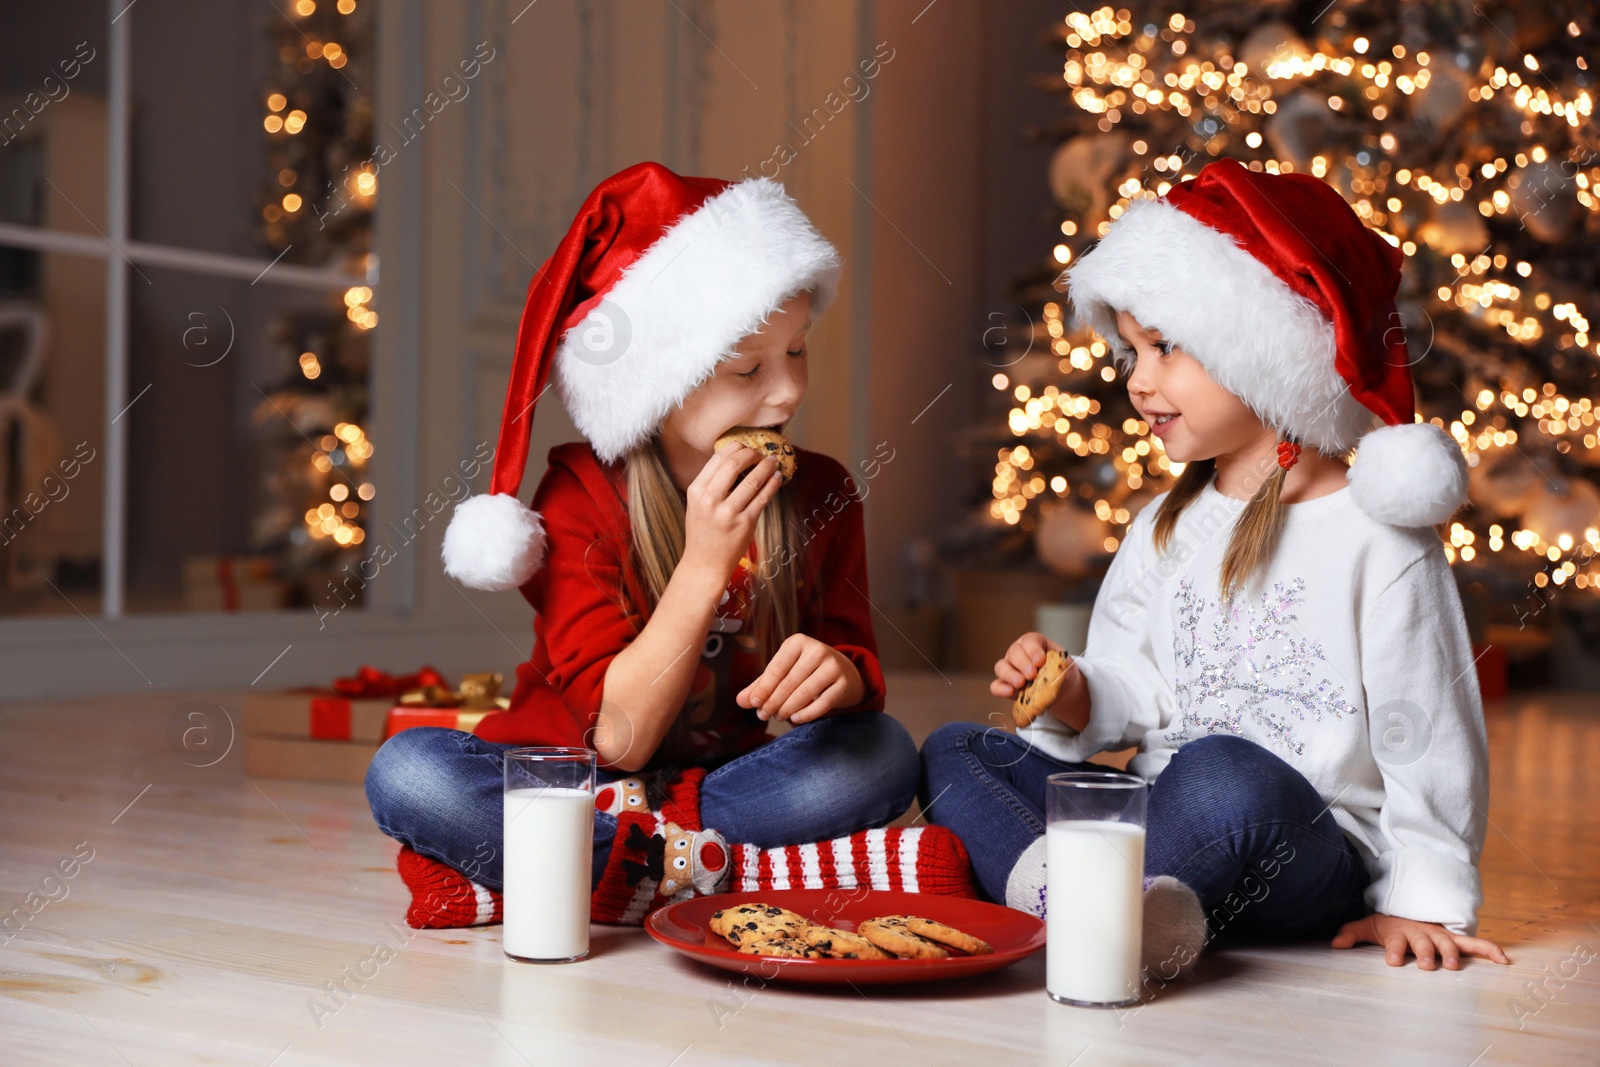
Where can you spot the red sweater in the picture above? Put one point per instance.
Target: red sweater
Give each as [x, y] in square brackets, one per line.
[582, 618]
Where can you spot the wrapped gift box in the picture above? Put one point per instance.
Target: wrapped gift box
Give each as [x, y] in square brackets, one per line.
[232, 583]
[317, 761]
[438, 705]
[404, 717]
[263, 596]
[242, 568]
[331, 734]
[316, 715]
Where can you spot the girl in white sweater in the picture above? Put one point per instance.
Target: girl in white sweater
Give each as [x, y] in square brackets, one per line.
[1279, 634]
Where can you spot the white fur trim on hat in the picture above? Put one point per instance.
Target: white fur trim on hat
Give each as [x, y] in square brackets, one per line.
[716, 276]
[1412, 474]
[1256, 337]
[494, 541]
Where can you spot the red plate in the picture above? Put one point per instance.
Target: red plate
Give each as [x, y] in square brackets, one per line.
[1014, 934]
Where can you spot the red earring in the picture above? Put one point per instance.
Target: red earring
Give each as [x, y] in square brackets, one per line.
[1288, 454]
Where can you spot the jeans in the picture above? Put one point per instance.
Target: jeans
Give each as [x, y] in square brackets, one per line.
[441, 790]
[1233, 821]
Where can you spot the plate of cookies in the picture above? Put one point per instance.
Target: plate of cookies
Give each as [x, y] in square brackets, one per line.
[847, 935]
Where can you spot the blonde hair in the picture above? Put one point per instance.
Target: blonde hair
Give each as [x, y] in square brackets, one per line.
[1255, 532]
[656, 515]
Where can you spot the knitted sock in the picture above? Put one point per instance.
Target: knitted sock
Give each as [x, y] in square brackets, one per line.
[921, 859]
[628, 794]
[441, 896]
[1025, 884]
[659, 852]
[649, 869]
[673, 793]
[655, 860]
[1174, 928]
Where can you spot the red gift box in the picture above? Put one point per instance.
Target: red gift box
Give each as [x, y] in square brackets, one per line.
[404, 717]
[354, 708]
[316, 715]
[330, 734]
[232, 583]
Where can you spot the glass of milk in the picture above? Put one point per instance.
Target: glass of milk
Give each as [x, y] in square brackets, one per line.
[1094, 887]
[549, 853]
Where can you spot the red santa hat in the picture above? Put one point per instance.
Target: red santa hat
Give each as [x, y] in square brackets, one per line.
[654, 284]
[1287, 299]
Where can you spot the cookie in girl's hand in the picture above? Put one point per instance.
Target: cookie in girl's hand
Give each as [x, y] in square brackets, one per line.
[1039, 693]
[766, 443]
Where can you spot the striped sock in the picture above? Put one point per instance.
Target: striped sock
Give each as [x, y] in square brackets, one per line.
[639, 877]
[654, 862]
[919, 859]
[441, 896]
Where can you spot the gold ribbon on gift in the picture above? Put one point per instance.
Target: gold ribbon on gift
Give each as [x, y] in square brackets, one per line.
[477, 692]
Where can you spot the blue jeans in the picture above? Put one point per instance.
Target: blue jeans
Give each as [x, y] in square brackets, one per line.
[441, 790]
[1237, 824]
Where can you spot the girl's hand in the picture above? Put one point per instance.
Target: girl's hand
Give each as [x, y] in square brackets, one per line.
[719, 516]
[1020, 663]
[1023, 660]
[1425, 940]
[804, 680]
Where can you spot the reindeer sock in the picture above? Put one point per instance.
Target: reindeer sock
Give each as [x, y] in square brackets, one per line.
[654, 862]
[660, 854]
[674, 794]
[659, 850]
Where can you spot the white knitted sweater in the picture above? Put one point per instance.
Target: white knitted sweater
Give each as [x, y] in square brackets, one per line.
[1347, 656]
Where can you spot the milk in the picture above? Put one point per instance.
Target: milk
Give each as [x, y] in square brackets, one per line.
[1094, 910]
[549, 849]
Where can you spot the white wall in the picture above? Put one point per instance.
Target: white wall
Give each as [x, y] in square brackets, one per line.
[475, 202]
[890, 176]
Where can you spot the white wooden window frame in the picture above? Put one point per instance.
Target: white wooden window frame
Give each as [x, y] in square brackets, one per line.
[32, 647]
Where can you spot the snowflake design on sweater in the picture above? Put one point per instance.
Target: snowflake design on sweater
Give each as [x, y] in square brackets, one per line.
[1239, 662]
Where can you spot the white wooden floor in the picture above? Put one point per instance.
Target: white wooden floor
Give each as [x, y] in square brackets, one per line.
[217, 913]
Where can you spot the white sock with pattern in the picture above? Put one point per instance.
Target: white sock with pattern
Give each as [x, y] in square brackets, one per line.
[1174, 928]
[1025, 883]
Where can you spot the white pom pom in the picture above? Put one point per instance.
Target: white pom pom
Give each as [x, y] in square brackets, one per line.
[494, 541]
[1412, 474]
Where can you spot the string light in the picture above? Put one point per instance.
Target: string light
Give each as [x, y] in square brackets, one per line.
[307, 193]
[1119, 69]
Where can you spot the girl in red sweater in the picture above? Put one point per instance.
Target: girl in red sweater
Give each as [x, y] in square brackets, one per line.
[685, 596]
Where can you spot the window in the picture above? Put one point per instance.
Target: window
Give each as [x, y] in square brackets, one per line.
[189, 302]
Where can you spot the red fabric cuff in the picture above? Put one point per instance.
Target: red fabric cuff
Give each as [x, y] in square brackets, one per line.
[866, 664]
[682, 805]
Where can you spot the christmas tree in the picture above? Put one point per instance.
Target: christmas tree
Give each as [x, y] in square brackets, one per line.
[316, 208]
[1462, 134]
